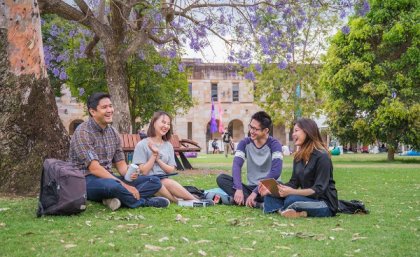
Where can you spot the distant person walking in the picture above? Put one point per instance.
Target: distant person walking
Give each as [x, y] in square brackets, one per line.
[227, 140]
[215, 146]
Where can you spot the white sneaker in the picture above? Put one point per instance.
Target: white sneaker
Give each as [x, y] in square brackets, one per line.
[112, 203]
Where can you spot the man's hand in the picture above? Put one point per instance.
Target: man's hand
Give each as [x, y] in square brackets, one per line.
[239, 197]
[132, 190]
[250, 201]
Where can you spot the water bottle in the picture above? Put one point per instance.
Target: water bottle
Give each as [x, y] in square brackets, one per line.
[131, 169]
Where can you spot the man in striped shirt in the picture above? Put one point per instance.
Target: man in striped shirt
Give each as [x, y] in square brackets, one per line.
[95, 147]
[264, 157]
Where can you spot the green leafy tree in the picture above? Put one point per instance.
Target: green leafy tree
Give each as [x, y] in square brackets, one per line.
[155, 82]
[371, 74]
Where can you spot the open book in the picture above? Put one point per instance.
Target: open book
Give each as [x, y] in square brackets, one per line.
[271, 185]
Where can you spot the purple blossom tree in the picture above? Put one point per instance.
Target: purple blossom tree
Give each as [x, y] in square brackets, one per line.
[126, 26]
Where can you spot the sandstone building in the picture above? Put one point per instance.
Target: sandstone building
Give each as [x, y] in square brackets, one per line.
[220, 82]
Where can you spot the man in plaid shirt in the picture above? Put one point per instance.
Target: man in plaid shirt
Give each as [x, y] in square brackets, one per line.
[94, 147]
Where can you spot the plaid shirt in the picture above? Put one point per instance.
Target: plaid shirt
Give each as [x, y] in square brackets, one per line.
[90, 142]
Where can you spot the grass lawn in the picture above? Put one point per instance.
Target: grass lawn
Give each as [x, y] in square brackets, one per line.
[390, 191]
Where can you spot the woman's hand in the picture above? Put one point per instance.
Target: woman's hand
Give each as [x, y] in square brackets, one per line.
[285, 190]
[153, 147]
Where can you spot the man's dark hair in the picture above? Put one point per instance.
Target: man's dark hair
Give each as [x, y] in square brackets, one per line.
[263, 118]
[94, 99]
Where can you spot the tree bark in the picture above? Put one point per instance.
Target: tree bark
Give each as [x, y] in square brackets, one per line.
[391, 153]
[30, 128]
[116, 76]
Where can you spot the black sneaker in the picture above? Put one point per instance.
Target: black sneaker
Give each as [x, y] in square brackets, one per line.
[158, 202]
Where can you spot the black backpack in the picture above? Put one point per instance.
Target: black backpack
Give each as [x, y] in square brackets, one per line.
[199, 193]
[352, 207]
[63, 189]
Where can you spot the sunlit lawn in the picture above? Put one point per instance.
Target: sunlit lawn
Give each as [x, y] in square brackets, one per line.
[390, 191]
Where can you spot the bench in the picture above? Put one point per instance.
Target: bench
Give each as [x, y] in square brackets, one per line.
[181, 146]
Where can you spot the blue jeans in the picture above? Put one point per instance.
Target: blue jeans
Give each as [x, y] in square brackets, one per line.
[104, 188]
[313, 207]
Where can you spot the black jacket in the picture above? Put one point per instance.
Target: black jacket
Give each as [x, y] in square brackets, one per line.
[317, 174]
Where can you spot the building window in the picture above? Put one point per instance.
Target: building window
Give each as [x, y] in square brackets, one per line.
[235, 92]
[214, 92]
[189, 130]
[190, 89]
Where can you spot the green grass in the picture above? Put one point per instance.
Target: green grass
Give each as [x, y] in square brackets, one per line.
[390, 191]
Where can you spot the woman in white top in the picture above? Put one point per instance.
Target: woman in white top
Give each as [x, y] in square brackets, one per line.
[155, 156]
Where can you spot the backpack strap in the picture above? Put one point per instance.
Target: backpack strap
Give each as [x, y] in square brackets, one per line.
[40, 210]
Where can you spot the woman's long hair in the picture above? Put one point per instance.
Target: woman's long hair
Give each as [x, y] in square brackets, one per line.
[151, 130]
[313, 140]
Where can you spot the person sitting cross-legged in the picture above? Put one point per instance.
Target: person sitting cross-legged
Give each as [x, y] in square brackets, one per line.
[95, 146]
[264, 157]
[311, 190]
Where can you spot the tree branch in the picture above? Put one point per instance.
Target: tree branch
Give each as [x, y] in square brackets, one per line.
[63, 10]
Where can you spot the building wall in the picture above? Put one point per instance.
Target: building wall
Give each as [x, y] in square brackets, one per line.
[236, 114]
[70, 111]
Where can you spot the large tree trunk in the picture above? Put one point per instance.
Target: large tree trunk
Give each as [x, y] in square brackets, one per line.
[30, 128]
[116, 75]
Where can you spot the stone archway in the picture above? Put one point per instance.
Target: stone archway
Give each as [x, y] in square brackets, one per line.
[236, 129]
[73, 125]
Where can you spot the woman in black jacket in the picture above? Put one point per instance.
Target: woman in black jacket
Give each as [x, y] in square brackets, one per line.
[311, 190]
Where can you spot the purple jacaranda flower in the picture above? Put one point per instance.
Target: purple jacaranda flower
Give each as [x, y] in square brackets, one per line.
[63, 75]
[283, 45]
[394, 94]
[277, 33]
[365, 8]
[282, 65]
[299, 24]
[270, 10]
[221, 19]
[172, 53]
[158, 68]
[343, 14]
[56, 72]
[81, 91]
[54, 30]
[181, 67]
[72, 33]
[301, 12]
[250, 76]
[157, 17]
[288, 56]
[209, 21]
[258, 68]
[345, 30]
